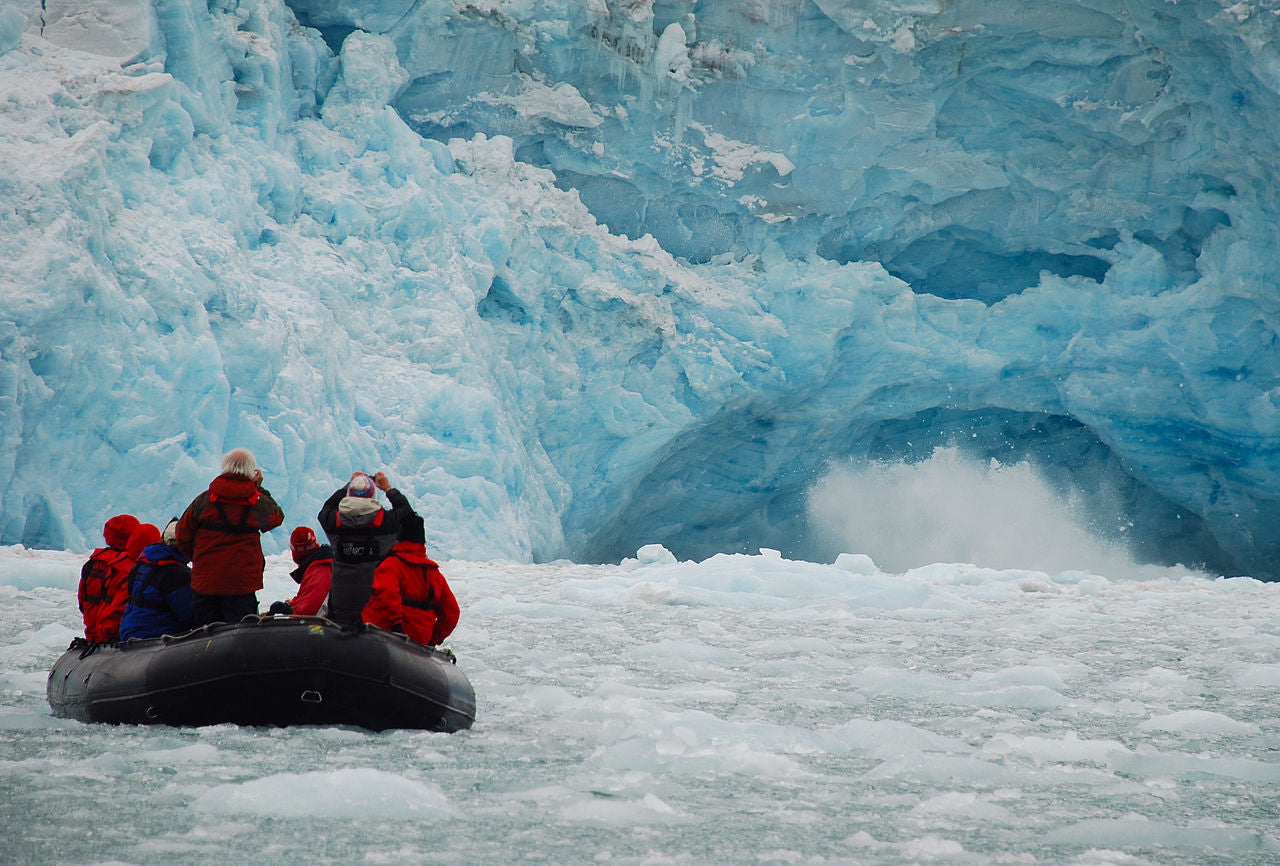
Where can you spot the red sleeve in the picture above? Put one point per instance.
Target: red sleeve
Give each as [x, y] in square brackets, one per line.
[89, 615]
[90, 612]
[314, 589]
[267, 511]
[186, 531]
[80, 589]
[446, 606]
[383, 607]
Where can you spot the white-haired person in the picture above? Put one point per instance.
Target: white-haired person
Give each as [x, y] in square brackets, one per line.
[221, 532]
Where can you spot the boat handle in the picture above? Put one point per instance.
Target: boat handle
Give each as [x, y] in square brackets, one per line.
[311, 697]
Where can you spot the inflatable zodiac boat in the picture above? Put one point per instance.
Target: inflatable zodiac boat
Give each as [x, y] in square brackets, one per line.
[270, 671]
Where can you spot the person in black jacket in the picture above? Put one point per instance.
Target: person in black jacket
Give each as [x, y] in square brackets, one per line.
[361, 533]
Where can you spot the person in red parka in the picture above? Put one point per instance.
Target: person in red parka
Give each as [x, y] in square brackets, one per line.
[102, 577]
[314, 571]
[143, 536]
[220, 532]
[410, 595]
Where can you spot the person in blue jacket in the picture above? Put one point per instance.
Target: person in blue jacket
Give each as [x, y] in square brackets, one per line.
[159, 591]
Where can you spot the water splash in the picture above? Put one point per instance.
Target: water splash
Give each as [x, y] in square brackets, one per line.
[951, 508]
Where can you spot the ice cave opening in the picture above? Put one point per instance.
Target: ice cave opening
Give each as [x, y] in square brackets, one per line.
[748, 479]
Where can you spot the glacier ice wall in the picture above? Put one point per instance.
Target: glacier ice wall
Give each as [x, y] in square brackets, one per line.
[588, 274]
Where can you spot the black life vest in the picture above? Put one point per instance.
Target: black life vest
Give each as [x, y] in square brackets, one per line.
[361, 543]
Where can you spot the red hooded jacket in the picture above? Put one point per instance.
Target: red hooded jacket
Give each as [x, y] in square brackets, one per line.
[101, 576]
[313, 575]
[142, 537]
[220, 532]
[411, 595]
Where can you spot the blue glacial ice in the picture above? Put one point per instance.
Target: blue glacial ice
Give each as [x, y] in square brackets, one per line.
[584, 275]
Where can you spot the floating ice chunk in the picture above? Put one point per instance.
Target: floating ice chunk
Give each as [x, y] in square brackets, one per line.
[1198, 722]
[55, 635]
[1069, 749]
[1259, 676]
[655, 554]
[918, 684]
[345, 793]
[197, 753]
[1161, 684]
[603, 809]
[953, 770]
[856, 563]
[863, 839]
[549, 699]
[964, 804]
[1172, 765]
[686, 653]
[933, 849]
[25, 569]
[1027, 675]
[890, 737]
[1134, 831]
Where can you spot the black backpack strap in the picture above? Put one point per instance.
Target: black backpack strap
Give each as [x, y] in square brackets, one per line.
[225, 523]
[143, 576]
[94, 575]
[93, 579]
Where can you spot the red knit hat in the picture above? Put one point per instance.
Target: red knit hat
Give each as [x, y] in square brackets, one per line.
[143, 536]
[302, 541]
[117, 530]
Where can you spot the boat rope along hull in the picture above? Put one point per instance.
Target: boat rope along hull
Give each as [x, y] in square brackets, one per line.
[280, 671]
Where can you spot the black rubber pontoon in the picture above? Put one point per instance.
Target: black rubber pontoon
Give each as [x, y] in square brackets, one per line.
[270, 671]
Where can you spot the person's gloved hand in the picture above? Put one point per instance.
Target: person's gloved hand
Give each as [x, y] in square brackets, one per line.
[280, 608]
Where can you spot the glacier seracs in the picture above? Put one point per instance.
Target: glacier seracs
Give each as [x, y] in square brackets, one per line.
[586, 275]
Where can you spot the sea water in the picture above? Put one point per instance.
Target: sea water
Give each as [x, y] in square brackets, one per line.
[744, 709]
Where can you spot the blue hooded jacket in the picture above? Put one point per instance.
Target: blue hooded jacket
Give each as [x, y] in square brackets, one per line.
[159, 595]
